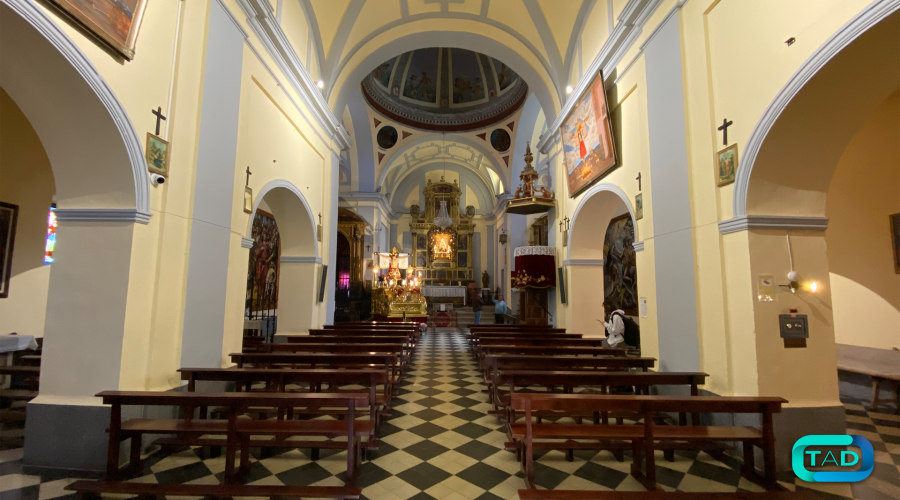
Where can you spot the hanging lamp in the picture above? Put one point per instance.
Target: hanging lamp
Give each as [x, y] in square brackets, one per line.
[442, 219]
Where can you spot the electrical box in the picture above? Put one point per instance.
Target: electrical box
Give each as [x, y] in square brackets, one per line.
[793, 326]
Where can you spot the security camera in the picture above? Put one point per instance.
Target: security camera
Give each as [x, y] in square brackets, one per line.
[157, 179]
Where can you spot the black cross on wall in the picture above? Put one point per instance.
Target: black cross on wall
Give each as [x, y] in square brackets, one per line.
[159, 117]
[724, 129]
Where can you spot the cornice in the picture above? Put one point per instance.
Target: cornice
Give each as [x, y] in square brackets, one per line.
[246, 242]
[265, 25]
[746, 222]
[300, 260]
[102, 215]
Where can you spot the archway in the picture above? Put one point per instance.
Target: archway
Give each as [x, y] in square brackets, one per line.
[102, 192]
[812, 162]
[601, 260]
[297, 265]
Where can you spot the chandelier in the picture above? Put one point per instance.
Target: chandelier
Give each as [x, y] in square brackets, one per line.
[442, 219]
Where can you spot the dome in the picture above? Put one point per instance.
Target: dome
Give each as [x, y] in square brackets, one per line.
[444, 89]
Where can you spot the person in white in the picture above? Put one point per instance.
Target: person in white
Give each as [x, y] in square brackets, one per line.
[615, 328]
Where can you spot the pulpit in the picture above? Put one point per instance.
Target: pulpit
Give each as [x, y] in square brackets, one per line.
[535, 273]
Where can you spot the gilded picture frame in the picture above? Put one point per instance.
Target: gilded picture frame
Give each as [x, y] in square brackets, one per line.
[116, 23]
[726, 165]
[588, 146]
[157, 153]
[639, 206]
[248, 200]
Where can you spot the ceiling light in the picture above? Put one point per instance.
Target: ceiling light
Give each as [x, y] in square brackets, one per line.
[569, 89]
[320, 84]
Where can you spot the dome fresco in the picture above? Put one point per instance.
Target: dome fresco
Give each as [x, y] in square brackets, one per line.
[444, 89]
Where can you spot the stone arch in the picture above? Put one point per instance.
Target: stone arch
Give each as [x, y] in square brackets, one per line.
[767, 169]
[56, 85]
[288, 205]
[600, 203]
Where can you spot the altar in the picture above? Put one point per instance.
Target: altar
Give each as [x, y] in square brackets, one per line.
[443, 237]
[444, 292]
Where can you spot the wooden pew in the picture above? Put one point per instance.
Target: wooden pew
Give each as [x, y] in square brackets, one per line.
[237, 432]
[474, 339]
[495, 326]
[412, 335]
[277, 380]
[644, 438]
[400, 350]
[143, 490]
[391, 362]
[487, 350]
[663, 495]
[358, 325]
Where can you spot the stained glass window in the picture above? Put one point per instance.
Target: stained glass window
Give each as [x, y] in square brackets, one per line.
[51, 235]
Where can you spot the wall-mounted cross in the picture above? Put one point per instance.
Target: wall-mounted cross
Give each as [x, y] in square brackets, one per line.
[249, 173]
[638, 178]
[724, 129]
[320, 218]
[159, 117]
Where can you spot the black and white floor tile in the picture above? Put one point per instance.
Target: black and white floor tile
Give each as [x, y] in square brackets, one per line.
[441, 444]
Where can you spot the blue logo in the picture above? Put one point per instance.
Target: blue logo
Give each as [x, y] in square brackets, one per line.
[821, 458]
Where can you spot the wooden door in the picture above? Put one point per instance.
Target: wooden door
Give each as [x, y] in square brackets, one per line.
[533, 307]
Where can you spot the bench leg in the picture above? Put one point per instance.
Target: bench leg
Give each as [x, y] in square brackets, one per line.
[245, 454]
[570, 455]
[134, 461]
[876, 388]
[749, 466]
[669, 455]
[314, 454]
[650, 460]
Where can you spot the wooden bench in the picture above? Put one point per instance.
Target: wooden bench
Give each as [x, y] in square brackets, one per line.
[487, 350]
[237, 432]
[495, 326]
[144, 490]
[356, 325]
[663, 495]
[391, 362]
[413, 336]
[881, 365]
[649, 436]
[404, 353]
[277, 380]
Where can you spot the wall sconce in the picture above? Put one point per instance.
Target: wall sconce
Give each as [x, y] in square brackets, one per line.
[503, 237]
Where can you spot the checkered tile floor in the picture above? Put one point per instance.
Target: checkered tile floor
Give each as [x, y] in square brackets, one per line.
[441, 444]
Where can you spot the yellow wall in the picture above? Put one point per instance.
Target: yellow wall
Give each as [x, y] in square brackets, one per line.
[864, 287]
[26, 180]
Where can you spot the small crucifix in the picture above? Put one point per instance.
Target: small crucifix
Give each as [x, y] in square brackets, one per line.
[159, 117]
[724, 129]
[638, 178]
[249, 173]
[320, 218]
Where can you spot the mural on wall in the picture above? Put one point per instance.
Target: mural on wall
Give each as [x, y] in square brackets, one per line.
[382, 73]
[115, 22]
[9, 215]
[262, 272]
[588, 150]
[505, 75]
[468, 84]
[421, 77]
[620, 266]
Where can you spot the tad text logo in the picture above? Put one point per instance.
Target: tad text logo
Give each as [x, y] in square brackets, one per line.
[835, 464]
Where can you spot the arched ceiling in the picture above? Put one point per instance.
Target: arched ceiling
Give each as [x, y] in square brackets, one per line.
[444, 89]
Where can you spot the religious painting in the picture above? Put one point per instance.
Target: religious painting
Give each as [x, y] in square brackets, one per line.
[588, 150]
[505, 75]
[115, 22]
[468, 85]
[157, 155]
[248, 200]
[620, 266]
[895, 241]
[726, 165]
[262, 271]
[421, 76]
[442, 246]
[386, 137]
[421, 260]
[382, 73]
[500, 140]
[420, 242]
[9, 215]
[639, 206]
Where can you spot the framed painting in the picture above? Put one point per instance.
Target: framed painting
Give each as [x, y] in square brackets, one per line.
[895, 241]
[9, 215]
[726, 165]
[114, 22]
[157, 155]
[620, 266]
[639, 206]
[263, 268]
[588, 148]
[248, 200]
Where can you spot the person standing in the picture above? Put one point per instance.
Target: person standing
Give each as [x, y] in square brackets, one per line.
[499, 310]
[476, 307]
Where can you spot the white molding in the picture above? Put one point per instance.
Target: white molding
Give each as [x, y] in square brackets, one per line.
[499, 208]
[868, 17]
[281, 183]
[375, 198]
[267, 28]
[582, 262]
[247, 242]
[638, 246]
[101, 215]
[37, 18]
[746, 222]
[598, 188]
[630, 24]
[300, 260]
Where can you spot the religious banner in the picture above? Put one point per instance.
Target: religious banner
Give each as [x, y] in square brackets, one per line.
[262, 272]
[588, 149]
